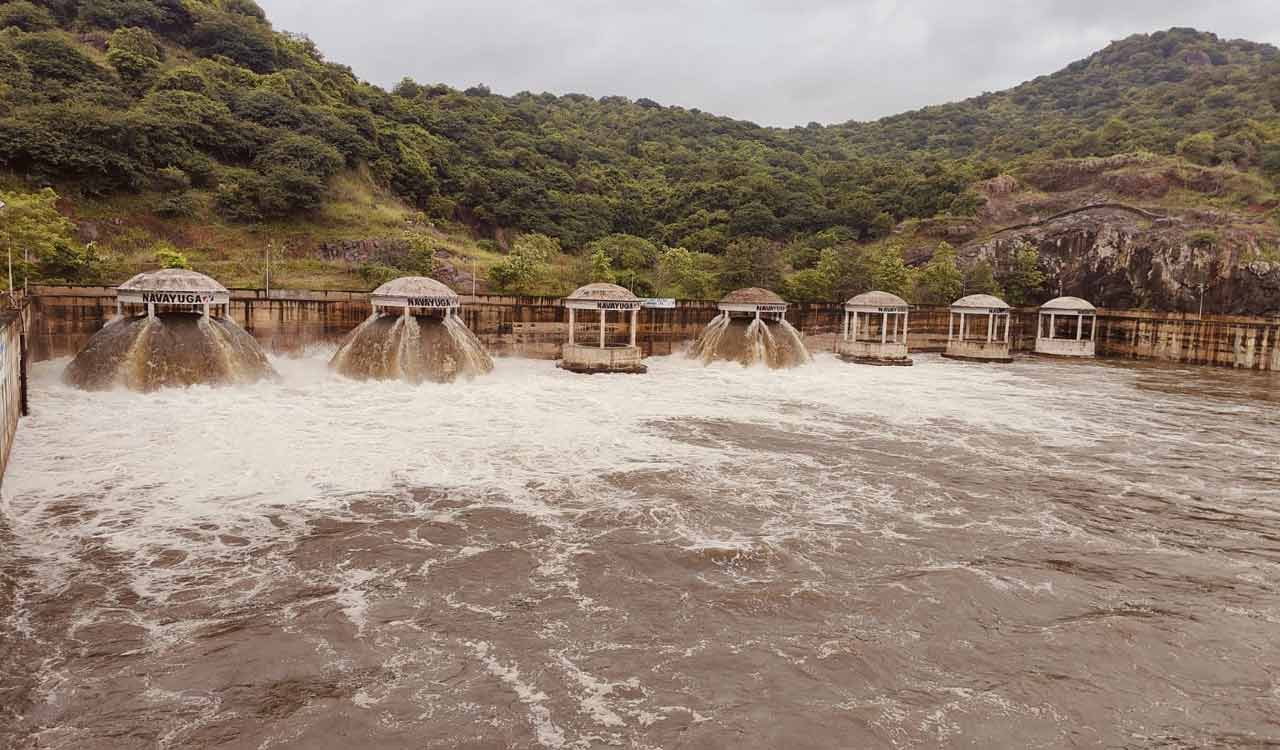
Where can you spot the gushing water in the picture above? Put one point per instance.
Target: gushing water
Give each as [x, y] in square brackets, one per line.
[1041, 555]
[748, 341]
[414, 348]
[170, 349]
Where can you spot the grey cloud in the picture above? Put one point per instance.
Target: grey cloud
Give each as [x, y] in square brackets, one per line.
[773, 62]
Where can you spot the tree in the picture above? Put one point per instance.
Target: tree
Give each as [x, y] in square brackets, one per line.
[528, 268]
[626, 251]
[940, 281]
[1024, 282]
[846, 269]
[601, 269]
[31, 227]
[808, 285]
[980, 279]
[889, 273]
[752, 261]
[687, 274]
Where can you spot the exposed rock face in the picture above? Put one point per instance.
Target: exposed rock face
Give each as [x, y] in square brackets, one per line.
[1118, 258]
[1116, 230]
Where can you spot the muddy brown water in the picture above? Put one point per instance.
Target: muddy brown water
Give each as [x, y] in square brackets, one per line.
[1039, 555]
[169, 349]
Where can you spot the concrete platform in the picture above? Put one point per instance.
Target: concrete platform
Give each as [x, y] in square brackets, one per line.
[592, 359]
[996, 352]
[893, 354]
[1065, 347]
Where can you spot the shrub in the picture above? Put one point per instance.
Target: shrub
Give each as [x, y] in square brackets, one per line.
[52, 57]
[25, 16]
[169, 256]
[172, 180]
[183, 79]
[305, 153]
[229, 36]
[136, 40]
[179, 205]
[134, 68]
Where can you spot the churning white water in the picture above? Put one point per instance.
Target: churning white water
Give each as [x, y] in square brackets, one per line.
[705, 556]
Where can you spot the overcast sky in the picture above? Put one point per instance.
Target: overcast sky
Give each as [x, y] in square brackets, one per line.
[775, 62]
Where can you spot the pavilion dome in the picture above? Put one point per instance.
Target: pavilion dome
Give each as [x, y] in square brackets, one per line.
[1069, 304]
[414, 286]
[980, 302]
[171, 280]
[603, 291]
[752, 296]
[876, 299]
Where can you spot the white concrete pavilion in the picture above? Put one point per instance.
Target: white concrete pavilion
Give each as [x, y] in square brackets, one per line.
[173, 290]
[978, 329]
[1066, 328]
[599, 354]
[875, 330]
[415, 295]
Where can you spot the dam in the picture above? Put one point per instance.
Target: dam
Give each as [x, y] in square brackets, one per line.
[809, 557]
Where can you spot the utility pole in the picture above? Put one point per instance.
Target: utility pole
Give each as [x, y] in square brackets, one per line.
[473, 276]
[268, 284]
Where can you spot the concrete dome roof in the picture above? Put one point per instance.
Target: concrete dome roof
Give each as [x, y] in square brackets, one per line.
[981, 302]
[876, 299]
[414, 286]
[1072, 304]
[171, 280]
[752, 296]
[603, 291]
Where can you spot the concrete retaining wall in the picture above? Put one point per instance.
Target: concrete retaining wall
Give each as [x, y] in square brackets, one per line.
[63, 319]
[12, 382]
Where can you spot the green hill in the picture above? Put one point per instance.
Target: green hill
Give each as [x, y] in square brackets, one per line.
[192, 128]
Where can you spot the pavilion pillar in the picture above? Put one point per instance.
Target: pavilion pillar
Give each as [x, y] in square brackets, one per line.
[906, 322]
[206, 309]
[991, 326]
[635, 323]
[884, 327]
[602, 321]
[846, 326]
[951, 325]
[1053, 323]
[571, 321]
[151, 309]
[962, 326]
[1079, 326]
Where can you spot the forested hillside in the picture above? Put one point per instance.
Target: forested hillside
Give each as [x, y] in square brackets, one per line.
[189, 131]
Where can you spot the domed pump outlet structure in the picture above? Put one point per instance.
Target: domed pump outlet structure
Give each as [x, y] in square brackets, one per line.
[1066, 328]
[983, 331]
[602, 351]
[414, 334]
[751, 328]
[875, 330]
[172, 328]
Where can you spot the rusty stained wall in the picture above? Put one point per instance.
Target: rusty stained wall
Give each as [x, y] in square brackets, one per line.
[11, 382]
[63, 319]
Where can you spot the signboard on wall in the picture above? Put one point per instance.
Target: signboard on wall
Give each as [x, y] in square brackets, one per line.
[662, 303]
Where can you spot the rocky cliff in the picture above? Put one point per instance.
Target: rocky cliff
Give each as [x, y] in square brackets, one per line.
[1130, 231]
